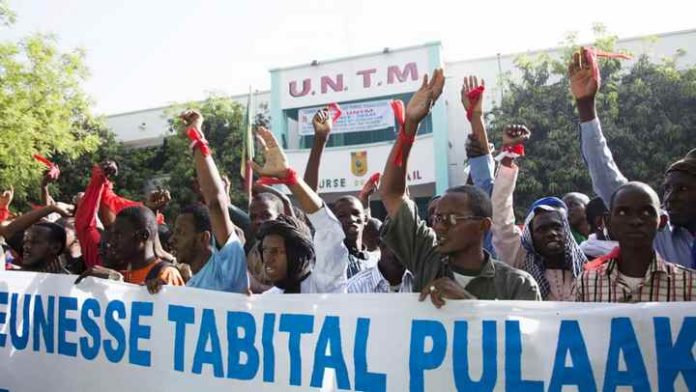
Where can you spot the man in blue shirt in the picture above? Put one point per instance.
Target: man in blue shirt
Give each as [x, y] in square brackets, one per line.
[675, 243]
[204, 235]
[220, 268]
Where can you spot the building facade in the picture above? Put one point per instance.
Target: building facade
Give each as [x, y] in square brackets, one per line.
[363, 86]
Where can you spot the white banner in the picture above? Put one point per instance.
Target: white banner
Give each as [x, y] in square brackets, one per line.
[55, 336]
[355, 117]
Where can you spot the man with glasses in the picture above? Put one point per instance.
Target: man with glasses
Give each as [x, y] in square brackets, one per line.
[448, 260]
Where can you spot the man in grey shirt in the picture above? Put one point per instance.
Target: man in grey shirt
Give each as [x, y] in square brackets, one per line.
[448, 260]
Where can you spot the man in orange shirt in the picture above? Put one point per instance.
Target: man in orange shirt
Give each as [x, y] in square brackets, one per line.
[133, 239]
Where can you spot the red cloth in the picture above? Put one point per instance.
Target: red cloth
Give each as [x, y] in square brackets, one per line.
[591, 55]
[596, 263]
[337, 112]
[474, 96]
[198, 141]
[375, 177]
[516, 149]
[403, 139]
[114, 202]
[4, 214]
[289, 179]
[53, 170]
[86, 218]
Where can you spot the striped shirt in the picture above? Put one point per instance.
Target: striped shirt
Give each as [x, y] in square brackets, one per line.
[663, 282]
[371, 281]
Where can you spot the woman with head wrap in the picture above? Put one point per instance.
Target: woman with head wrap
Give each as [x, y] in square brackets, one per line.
[293, 259]
[545, 247]
[287, 254]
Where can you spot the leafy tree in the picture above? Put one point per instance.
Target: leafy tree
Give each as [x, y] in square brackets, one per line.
[646, 113]
[42, 108]
[223, 127]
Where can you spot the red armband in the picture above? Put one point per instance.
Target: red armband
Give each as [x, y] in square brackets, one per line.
[402, 139]
[474, 96]
[198, 141]
[289, 179]
[4, 214]
[515, 151]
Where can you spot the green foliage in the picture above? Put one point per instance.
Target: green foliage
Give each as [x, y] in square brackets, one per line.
[7, 16]
[224, 127]
[42, 109]
[647, 114]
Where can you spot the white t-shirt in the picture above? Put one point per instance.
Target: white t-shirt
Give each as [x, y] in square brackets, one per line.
[463, 280]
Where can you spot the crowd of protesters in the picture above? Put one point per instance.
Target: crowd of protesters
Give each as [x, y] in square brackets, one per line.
[627, 244]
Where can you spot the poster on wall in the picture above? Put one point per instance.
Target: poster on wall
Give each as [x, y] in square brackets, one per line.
[355, 117]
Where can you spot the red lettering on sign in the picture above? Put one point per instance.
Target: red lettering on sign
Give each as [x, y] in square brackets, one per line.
[367, 76]
[306, 86]
[394, 73]
[327, 82]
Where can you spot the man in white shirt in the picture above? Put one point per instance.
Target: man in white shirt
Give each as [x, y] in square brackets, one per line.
[291, 271]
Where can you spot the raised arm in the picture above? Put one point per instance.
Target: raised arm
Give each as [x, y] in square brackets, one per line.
[506, 235]
[331, 253]
[48, 178]
[23, 221]
[478, 150]
[606, 176]
[472, 99]
[393, 184]
[322, 124]
[277, 166]
[211, 185]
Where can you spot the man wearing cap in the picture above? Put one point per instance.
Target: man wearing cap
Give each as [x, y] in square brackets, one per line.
[675, 242]
[545, 248]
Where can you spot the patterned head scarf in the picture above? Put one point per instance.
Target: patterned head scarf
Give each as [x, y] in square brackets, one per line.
[534, 262]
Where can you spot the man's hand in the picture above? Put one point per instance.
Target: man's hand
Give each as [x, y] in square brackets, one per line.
[276, 164]
[322, 123]
[48, 177]
[423, 100]
[515, 134]
[6, 198]
[100, 272]
[63, 209]
[110, 169]
[442, 288]
[582, 85]
[52, 267]
[158, 199]
[170, 276]
[370, 187]
[192, 118]
[470, 83]
[474, 148]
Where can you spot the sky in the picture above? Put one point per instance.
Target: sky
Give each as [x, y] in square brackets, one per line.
[149, 53]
